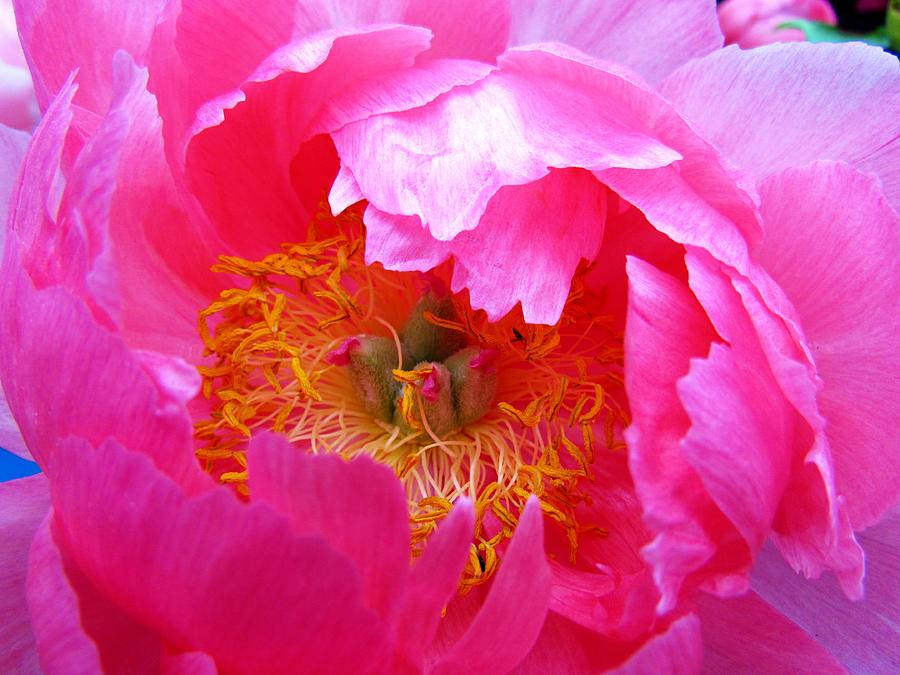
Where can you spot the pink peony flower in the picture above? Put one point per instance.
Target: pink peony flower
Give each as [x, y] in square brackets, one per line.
[18, 108]
[590, 321]
[751, 23]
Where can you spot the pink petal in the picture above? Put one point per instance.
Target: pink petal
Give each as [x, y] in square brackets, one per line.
[209, 573]
[359, 507]
[614, 593]
[442, 164]
[863, 635]
[832, 243]
[665, 328]
[565, 648]
[437, 162]
[61, 642]
[677, 650]
[50, 329]
[99, 388]
[741, 451]
[433, 583]
[747, 635]
[464, 29]
[240, 168]
[831, 102]
[76, 629]
[117, 204]
[510, 620]
[651, 36]
[526, 248]
[61, 35]
[23, 505]
[161, 285]
[202, 50]
[192, 663]
[785, 462]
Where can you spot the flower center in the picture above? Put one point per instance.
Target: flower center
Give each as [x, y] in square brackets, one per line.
[348, 358]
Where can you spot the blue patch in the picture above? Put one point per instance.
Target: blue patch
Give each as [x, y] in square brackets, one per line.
[12, 466]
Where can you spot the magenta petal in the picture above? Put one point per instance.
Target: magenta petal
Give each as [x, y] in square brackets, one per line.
[863, 635]
[832, 244]
[24, 503]
[433, 582]
[62, 643]
[833, 102]
[61, 35]
[747, 635]
[209, 573]
[651, 36]
[665, 328]
[359, 507]
[677, 650]
[508, 623]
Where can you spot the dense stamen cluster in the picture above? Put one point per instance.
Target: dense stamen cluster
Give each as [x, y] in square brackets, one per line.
[348, 358]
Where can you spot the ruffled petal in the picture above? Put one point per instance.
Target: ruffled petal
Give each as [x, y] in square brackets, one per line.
[433, 582]
[832, 243]
[239, 160]
[247, 591]
[59, 36]
[651, 36]
[747, 635]
[665, 328]
[526, 248]
[445, 162]
[509, 621]
[358, 507]
[785, 105]
[24, 504]
[115, 220]
[785, 462]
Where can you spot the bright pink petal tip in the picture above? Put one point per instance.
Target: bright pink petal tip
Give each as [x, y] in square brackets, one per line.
[431, 387]
[485, 360]
[341, 355]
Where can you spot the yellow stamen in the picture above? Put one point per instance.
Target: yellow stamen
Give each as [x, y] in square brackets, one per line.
[268, 346]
